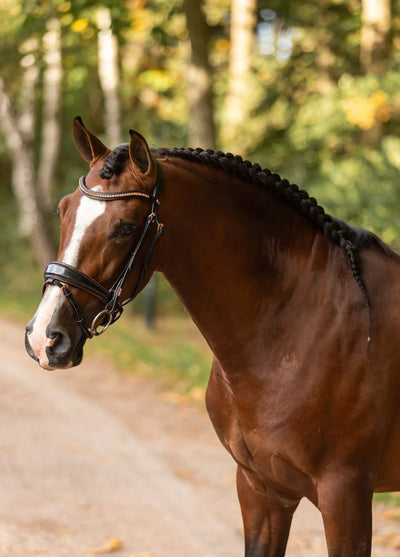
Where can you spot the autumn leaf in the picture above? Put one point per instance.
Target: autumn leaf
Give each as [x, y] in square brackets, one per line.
[114, 544]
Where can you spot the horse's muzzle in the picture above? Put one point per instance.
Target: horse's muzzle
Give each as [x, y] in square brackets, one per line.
[53, 348]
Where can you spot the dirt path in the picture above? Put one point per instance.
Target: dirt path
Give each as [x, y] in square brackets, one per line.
[91, 459]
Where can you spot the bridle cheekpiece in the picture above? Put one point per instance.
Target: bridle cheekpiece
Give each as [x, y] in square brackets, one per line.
[64, 275]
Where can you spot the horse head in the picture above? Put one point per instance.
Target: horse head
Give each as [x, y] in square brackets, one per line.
[108, 231]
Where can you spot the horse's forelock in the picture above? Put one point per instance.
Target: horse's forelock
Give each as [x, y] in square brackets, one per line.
[115, 162]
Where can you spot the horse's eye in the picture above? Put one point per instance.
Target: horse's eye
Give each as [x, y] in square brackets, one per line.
[125, 229]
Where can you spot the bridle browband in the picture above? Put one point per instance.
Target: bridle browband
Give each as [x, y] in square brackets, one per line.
[64, 275]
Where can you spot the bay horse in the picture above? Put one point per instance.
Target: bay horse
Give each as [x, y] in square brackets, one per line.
[300, 310]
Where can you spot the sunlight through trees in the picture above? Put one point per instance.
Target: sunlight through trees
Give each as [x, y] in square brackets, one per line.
[308, 89]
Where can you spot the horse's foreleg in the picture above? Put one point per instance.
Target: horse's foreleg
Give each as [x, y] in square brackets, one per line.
[266, 520]
[346, 510]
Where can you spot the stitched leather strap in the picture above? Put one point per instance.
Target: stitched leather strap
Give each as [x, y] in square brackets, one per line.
[112, 196]
[69, 275]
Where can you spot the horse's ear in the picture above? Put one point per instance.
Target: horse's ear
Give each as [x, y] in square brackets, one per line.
[139, 153]
[88, 145]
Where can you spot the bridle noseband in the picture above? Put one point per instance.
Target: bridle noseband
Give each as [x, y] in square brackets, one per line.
[64, 275]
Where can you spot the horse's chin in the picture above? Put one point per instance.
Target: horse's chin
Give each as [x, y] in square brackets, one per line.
[50, 366]
[47, 367]
[53, 363]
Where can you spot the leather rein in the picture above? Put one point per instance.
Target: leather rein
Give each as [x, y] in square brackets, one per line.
[64, 275]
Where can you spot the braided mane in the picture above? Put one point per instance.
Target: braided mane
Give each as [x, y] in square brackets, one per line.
[350, 239]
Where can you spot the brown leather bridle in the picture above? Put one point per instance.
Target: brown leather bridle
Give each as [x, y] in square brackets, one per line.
[64, 275]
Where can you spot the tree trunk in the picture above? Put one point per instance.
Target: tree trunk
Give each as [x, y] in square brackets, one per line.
[30, 78]
[51, 132]
[199, 86]
[376, 21]
[237, 109]
[31, 219]
[374, 48]
[324, 56]
[109, 76]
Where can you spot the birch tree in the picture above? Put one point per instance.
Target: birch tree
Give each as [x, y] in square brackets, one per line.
[51, 128]
[31, 182]
[30, 77]
[376, 22]
[31, 215]
[199, 80]
[109, 75]
[374, 48]
[236, 106]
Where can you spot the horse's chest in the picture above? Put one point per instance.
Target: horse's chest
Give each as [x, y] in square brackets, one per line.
[234, 434]
[253, 442]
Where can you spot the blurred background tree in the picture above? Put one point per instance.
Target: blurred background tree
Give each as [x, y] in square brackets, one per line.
[309, 89]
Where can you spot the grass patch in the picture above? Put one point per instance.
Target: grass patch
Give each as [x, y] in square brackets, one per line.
[391, 499]
[20, 307]
[173, 352]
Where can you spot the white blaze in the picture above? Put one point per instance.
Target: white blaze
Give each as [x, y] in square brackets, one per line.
[38, 338]
[87, 212]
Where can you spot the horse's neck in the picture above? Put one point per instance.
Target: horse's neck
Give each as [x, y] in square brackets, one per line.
[226, 248]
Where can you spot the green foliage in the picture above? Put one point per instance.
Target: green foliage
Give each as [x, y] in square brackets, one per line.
[329, 127]
[344, 149]
[390, 500]
[19, 277]
[317, 119]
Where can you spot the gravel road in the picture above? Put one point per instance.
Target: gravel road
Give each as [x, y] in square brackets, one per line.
[95, 462]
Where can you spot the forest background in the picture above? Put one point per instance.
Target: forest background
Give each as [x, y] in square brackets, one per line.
[309, 89]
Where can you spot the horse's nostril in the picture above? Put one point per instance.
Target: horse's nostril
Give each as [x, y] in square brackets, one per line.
[58, 342]
[28, 346]
[29, 326]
